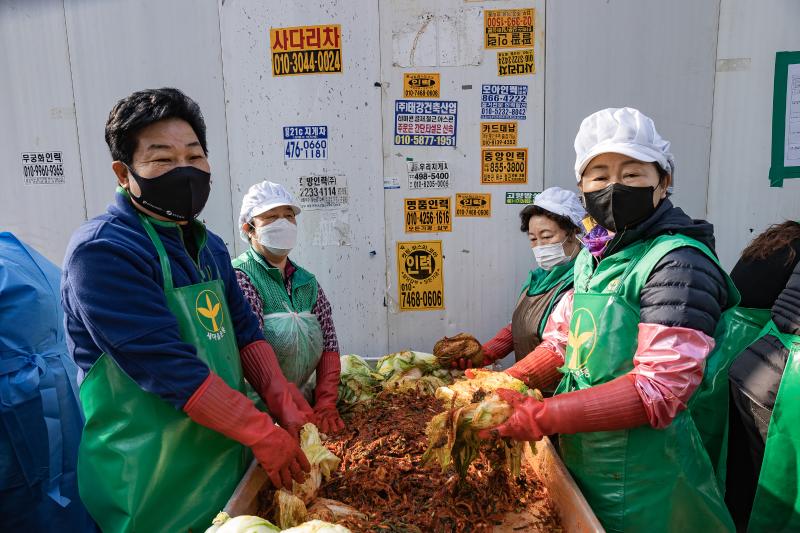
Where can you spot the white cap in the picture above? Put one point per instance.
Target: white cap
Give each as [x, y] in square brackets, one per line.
[262, 197]
[623, 131]
[562, 202]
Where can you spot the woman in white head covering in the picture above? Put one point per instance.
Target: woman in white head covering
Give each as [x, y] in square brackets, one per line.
[640, 407]
[294, 312]
[554, 229]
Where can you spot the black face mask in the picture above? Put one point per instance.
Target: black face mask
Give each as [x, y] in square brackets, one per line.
[618, 207]
[179, 194]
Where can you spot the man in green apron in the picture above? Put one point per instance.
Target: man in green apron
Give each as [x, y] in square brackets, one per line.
[155, 318]
[645, 343]
[765, 383]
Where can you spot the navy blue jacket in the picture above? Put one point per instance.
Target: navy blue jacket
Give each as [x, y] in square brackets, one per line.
[113, 296]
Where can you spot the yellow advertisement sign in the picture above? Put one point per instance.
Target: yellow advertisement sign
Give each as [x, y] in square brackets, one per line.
[515, 62]
[306, 50]
[420, 275]
[504, 165]
[509, 28]
[499, 133]
[421, 85]
[473, 204]
[427, 215]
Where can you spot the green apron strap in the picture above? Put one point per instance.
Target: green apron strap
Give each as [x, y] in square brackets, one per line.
[166, 270]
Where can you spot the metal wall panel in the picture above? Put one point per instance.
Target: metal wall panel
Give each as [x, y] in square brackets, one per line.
[37, 114]
[260, 105]
[118, 47]
[486, 260]
[653, 55]
[741, 202]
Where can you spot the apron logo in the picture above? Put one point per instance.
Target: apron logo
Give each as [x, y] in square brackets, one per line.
[613, 285]
[209, 314]
[582, 332]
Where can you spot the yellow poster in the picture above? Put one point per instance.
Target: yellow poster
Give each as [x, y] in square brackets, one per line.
[427, 215]
[472, 204]
[509, 28]
[421, 85]
[306, 50]
[420, 276]
[504, 165]
[499, 133]
[515, 62]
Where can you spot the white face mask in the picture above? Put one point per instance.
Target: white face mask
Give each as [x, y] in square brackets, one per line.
[278, 237]
[550, 255]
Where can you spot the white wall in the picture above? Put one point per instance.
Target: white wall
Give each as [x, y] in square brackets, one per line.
[649, 54]
[702, 70]
[741, 203]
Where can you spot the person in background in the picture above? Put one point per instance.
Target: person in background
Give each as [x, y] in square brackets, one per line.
[156, 319]
[40, 417]
[764, 442]
[633, 341]
[554, 229]
[291, 307]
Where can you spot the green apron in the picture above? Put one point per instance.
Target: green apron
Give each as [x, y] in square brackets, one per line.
[777, 502]
[143, 465]
[536, 301]
[289, 326]
[641, 479]
[737, 328]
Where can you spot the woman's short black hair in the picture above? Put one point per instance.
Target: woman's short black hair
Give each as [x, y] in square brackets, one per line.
[532, 210]
[142, 108]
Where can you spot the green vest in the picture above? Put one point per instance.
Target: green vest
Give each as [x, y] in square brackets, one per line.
[640, 479]
[289, 326]
[777, 503]
[142, 464]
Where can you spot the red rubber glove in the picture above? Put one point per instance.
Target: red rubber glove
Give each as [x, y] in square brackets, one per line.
[608, 407]
[301, 403]
[539, 369]
[327, 392]
[217, 406]
[262, 370]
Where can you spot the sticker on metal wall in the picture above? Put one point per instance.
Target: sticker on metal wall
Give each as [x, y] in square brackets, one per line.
[43, 168]
[305, 142]
[499, 133]
[504, 166]
[317, 192]
[333, 229]
[509, 28]
[504, 101]
[423, 38]
[428, 175]
[391, 182]
[473, 204]
[520, 198]
[421, 85]
[306, 50]
[420, 275]
[425, 123]
[427, 215]
[515, 63]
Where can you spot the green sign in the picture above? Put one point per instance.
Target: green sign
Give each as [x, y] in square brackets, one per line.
[785, 119]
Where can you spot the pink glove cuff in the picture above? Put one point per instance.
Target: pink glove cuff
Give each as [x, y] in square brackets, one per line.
[500, 345]
[608, 407]
[539, 369]
[260, 365]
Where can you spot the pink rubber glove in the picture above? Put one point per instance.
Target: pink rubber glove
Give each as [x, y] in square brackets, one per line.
[217, 406]
[262, 370]
[498, 347]
[608, 407]
[327, 392]
[539, 369]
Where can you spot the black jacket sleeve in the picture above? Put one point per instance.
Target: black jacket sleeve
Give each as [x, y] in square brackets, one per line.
[786, 311]
[685, 289]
